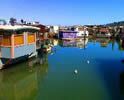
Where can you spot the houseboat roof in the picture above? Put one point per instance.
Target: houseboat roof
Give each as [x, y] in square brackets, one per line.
[10, 28]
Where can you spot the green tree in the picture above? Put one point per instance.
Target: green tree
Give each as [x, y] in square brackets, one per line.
[13, 21]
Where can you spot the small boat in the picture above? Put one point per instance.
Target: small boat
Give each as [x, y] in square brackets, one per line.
[17, 43]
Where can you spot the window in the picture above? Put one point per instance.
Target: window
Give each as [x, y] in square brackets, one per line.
[31, 38]
[19, 40]
[6, 41]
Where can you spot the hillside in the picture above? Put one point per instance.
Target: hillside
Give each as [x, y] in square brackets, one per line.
[120, 23]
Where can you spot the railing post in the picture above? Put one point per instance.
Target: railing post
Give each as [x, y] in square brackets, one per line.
[12, 46]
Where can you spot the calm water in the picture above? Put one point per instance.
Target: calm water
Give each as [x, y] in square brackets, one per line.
[51, 76]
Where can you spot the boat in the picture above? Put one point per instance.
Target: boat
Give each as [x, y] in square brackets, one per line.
[73, 35]
[18, 43]
[82, 32]
[67, 35]
[104, 33]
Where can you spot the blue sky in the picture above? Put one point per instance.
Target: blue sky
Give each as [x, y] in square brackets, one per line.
[64, 12]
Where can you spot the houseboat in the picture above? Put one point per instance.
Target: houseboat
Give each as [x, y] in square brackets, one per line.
[82, 32]
[18, 42]
[67, 35]
[70, 35]
[103, 33]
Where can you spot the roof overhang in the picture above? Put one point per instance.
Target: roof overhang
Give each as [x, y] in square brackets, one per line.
[17, 28]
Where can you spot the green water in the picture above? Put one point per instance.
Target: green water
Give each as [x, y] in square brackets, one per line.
[100, 76]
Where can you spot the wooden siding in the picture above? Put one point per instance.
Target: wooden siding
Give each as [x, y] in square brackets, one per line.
[25, 50]
[6, 52]
[1, 37]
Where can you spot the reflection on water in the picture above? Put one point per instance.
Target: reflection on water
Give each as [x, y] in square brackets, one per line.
[51, 76]
[122, 83]
[81, 43]
[121, 44]
[21, 81]
[103, 42]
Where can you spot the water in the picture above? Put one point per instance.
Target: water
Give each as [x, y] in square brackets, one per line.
[99, 76]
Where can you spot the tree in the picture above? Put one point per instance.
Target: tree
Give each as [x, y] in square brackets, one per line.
[22, 21]
[3, 22]
[13, 21]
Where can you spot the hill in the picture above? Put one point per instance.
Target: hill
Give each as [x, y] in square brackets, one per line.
[120, 23]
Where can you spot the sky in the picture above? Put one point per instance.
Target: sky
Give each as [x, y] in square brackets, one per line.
[64, 12]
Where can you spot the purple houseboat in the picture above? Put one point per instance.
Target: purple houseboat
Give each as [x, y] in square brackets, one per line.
[67, 34]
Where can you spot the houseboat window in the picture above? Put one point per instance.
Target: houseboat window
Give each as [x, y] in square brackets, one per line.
[6, 41]
[18, 40]
[31, 38]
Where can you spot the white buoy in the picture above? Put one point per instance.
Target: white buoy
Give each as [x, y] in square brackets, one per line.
[75, 71]
[88, 61]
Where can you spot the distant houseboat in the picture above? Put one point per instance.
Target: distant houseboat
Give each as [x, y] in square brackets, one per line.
[103, 33]
[67, 35]
[18, 42]
[82, 32]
